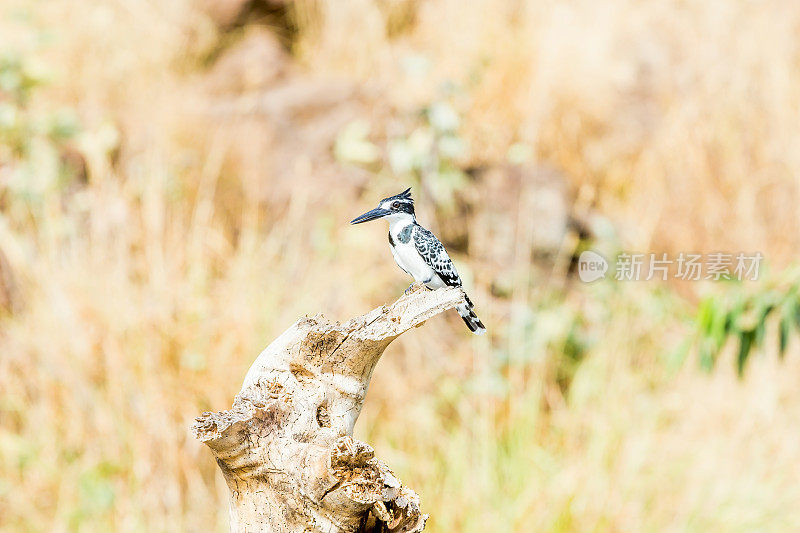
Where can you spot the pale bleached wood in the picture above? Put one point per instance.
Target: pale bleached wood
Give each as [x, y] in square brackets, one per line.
[286, 447]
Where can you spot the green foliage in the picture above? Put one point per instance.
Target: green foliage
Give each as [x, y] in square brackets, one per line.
[32, 140]
[353, 144]
[18, 77]
[553, 336]
[744, 317]
[96, 494]
[431, 152]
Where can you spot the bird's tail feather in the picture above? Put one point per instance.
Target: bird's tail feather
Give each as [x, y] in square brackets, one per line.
[470, 318]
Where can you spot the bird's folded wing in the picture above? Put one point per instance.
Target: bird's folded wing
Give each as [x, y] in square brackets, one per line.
[436, 256]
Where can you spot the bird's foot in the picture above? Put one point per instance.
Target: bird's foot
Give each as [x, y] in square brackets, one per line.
[416, 286]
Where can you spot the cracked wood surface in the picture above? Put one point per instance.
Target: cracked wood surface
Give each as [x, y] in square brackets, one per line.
[286, 447]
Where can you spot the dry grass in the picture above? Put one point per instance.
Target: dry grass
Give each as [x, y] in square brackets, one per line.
[200, 233]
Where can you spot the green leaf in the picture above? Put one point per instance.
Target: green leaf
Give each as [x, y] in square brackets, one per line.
[761, 326]
[796, 313]
[716, 328]
[64, 124]
[745, 345]
[443, 117]
[8, 116]
[401, 157]
[452, 147]
[788, 311]
[706, 356]
[676, 358]
[745, 316]
[353, 146]
[705, 313]
[783, 336]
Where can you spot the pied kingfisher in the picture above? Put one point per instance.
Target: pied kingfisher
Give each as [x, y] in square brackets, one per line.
[419, 253]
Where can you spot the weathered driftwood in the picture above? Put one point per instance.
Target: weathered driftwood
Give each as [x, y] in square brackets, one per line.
[286, 447]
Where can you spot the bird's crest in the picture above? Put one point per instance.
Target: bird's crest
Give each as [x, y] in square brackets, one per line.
[405, 196]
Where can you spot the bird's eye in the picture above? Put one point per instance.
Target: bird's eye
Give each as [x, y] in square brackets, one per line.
[396, 205]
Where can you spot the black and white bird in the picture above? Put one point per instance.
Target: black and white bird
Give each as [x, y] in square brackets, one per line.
[419, 253]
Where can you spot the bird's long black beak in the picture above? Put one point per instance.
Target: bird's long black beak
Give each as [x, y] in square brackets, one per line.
[371, 215]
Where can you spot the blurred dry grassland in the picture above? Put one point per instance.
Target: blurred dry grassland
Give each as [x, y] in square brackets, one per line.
[176, 179]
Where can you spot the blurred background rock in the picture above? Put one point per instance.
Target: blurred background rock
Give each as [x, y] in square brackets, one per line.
[175, 184]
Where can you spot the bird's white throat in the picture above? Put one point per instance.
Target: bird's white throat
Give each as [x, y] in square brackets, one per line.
[398, 222]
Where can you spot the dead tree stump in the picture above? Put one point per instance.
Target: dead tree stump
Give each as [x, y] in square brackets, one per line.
[286, 447]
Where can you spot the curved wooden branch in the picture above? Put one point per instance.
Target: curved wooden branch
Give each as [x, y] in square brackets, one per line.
[286, 447]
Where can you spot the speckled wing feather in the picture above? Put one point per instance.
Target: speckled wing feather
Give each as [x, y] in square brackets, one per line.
[436, 256]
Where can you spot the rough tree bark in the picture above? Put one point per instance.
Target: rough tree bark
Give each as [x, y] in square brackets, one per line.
[286, 447]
